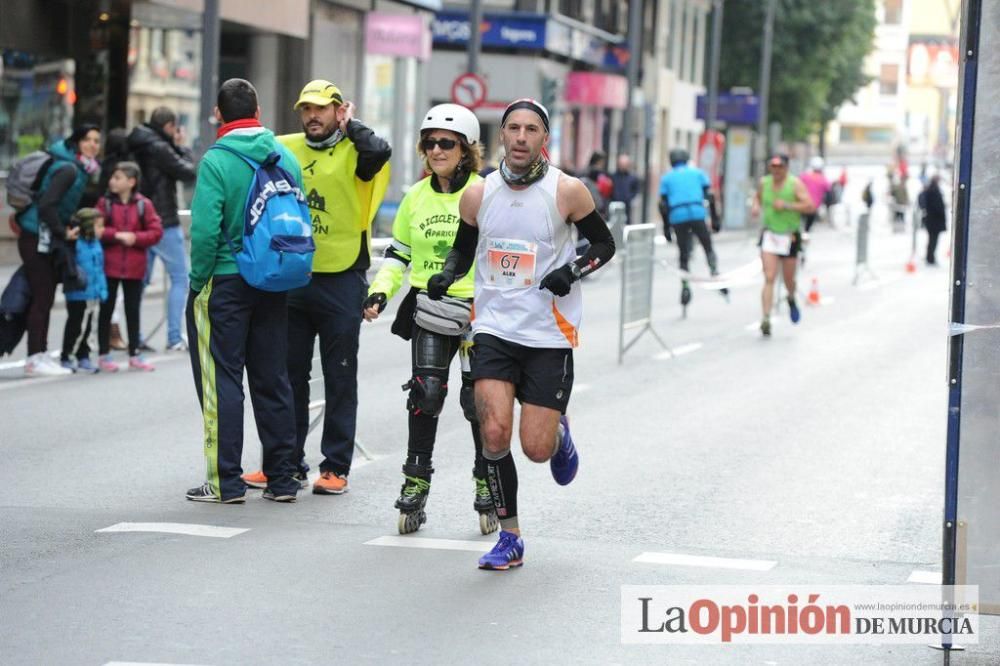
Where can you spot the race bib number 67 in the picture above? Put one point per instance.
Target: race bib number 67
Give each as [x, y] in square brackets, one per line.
[511, 262]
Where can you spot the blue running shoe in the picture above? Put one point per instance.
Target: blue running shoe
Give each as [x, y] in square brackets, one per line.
[509, 552]
[565, 461]
[793, 311]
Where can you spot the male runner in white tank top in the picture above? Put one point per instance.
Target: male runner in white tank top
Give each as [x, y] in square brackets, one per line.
[520, 225]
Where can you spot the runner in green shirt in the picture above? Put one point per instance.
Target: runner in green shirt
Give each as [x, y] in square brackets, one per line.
[783, 198]
[422, 235]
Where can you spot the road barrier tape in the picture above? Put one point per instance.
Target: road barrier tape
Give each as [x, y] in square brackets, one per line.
[746, 274]
[955, 328]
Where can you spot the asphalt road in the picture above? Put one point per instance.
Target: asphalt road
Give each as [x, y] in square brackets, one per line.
[820, 450]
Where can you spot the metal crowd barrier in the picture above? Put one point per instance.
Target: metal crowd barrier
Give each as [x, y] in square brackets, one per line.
[638, 257]
[861, 266]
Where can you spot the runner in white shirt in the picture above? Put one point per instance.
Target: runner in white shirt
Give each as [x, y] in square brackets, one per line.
[520, 225]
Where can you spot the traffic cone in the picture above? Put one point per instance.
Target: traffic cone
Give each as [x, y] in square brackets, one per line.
[911, 265]
[814, 297]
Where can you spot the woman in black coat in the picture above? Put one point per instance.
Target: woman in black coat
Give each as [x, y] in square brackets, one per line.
[932, 205]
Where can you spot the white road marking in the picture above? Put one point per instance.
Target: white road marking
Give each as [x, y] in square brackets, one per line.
[190, 529]
[434, 544]
[929, 577]
[143, 663]
[879, 282]
[668, 354]
[159, 358]
[679, 559]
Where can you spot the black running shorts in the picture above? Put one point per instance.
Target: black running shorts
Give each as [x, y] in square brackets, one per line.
[793, 251]
[542, 377]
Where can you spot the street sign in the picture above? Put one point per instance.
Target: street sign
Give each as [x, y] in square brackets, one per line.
[469, 90]
[732, 109]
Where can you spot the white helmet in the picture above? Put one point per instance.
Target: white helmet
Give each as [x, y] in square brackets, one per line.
[455, 118]
[816, 163]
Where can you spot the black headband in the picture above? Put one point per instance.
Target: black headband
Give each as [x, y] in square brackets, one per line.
[530, 105]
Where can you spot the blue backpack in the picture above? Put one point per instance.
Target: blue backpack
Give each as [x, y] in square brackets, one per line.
[278, 247]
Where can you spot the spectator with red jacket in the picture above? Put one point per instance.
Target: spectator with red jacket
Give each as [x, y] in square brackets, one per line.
[132, 226]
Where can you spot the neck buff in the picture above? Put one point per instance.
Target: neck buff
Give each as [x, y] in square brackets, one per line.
[328, 142]
[535, 172]
[242, 123]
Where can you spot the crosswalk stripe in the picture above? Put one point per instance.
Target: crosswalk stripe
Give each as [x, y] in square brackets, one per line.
[190, 529]
[679, 559]
[929, 577]
[434, 544]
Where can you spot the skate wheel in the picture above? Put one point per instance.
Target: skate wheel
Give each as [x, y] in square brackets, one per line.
[488, 522]
[411, 522]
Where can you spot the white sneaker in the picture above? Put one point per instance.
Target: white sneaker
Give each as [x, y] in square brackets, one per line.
[42, 365]
[179, 346]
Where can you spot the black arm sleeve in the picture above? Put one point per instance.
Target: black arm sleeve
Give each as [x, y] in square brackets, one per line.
[711, 203]
[602, 243]
[463, 252]
[373, 152]
[48, 202]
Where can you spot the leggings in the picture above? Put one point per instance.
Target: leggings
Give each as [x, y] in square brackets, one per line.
[133, 297]
[41, 274]
[432, 354]
[697, 228]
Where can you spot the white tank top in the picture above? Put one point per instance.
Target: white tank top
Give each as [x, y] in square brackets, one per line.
[522, 239]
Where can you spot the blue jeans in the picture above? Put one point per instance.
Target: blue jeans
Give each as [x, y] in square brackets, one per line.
[171, 250]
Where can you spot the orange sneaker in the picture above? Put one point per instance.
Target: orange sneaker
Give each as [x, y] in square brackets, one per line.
[259, 480]
[329, 483]
[255, 479]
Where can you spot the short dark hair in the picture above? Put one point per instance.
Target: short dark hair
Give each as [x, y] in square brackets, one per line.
[162, 116]
[237, 100]
[130, 169]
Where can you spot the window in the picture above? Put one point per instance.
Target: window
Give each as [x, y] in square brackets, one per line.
[888, 79]
[571, 8]
[893, 12]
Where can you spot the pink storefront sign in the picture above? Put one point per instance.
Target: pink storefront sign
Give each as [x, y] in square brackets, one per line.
[405, 36]
[595, 89]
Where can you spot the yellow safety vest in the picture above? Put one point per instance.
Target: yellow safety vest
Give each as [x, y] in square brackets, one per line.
[342, 206]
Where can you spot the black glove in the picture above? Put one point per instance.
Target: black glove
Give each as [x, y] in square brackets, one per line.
[376, 300]
[666, 232]
[437, 284]
[560, 280]
[716, 223]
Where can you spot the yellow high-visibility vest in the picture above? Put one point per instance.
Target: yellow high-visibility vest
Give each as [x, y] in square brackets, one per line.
[341, 205]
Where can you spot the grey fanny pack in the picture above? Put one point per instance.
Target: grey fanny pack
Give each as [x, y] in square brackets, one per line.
[449, 316]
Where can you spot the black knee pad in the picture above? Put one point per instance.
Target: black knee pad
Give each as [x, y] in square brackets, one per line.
[468, 400]
[427, 394]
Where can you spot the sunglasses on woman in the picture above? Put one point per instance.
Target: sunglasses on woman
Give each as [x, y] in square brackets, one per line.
[446, 144]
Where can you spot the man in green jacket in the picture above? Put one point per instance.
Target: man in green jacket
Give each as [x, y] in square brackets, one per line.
[232, 325]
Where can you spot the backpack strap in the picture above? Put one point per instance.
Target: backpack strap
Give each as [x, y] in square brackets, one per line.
[254, 166]
[243, 157]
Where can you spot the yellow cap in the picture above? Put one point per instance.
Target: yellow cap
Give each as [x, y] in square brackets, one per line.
[319, 92]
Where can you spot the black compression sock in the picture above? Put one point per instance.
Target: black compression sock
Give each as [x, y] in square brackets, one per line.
[502, 476]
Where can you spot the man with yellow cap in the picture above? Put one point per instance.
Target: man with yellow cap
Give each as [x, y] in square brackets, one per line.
[345, 172]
